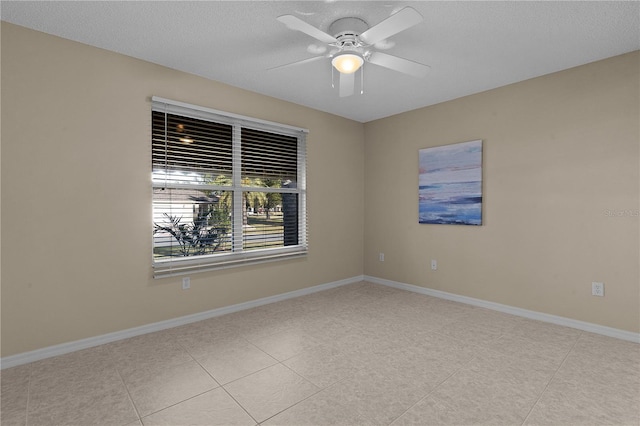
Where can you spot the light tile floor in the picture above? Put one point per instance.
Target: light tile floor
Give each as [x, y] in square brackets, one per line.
[361, 354]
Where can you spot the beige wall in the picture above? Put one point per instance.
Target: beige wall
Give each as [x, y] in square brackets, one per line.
[560, 151]
[76, 194]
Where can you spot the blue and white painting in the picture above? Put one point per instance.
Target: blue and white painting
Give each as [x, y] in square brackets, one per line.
[450, 188]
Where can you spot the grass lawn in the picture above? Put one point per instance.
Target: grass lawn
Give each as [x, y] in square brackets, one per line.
[260, 233]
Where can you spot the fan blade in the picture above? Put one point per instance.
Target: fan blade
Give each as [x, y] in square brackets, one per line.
[395, 63]
[293, 64]
[347, 82]
[316, 49]
[298, 24]
[400, 21]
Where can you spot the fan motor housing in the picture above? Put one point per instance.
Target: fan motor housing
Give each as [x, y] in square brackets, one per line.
[347, 29]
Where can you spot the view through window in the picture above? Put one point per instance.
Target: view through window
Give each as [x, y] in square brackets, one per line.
[226, 190]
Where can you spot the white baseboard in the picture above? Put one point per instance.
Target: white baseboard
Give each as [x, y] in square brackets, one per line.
[554, 319]
[64, 348]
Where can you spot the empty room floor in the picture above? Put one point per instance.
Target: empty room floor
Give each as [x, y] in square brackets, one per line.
[360, 354]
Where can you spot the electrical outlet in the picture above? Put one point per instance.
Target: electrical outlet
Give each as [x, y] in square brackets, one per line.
[186, 283]
[434, 264]
[597, 289]
[381, 257]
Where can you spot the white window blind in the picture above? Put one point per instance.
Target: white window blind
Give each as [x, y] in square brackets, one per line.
[228, 190]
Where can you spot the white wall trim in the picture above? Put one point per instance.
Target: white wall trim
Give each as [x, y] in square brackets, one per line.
[64, 348]
[554, 319]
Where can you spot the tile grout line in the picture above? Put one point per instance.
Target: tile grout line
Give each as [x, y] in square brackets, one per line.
[191, 397]
[543, 387]
[289, 407]
[171, 405]
[283, 410]
[437, 385]
[552, 377]
[180, 402]
[262, 350]
[126, 388]
[304, 399]
[239, 405]
[220, 385]
[320, 389]
[450, 375]
[26, 414]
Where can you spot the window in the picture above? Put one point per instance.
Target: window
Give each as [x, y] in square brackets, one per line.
[227, 190]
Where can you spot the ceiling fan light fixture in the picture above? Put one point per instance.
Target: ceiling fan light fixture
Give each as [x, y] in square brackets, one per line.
[347, 63]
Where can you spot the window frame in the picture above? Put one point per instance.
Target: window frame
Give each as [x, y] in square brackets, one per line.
[238, 256]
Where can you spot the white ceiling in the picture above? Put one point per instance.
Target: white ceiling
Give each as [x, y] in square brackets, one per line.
[470, 46]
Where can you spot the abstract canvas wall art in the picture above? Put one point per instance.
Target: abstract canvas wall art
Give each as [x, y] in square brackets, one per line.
[450, 184]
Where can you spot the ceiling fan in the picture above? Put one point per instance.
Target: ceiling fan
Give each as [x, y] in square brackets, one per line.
[353, 43]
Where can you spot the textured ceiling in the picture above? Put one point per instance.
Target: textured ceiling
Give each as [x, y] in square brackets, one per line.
[470, 46]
